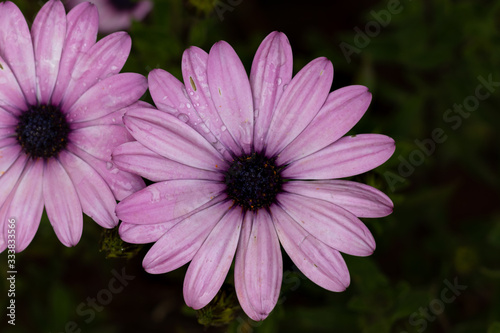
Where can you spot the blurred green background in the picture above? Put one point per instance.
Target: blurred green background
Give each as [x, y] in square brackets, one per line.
[437, 263]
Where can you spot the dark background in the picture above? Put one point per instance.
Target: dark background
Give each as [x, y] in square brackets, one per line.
[445, 229]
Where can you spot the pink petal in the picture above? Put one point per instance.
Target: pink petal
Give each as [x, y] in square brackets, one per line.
[179, 244]
[360, 199]
[194, 73]
[210, 265]
[27, 216]
[7, 120]
[272, 69]
[258, 267]
[330, 224]
[95, 196]
[10, 92]
[17, 48]
[8, 155]
[11, 168]
[134, 157]
[48, 33]
[231, 93]
[169, 137]
[347, 157]
[320, 263]
[113, 118]
[99, 141]
[62, 204]
[145, 233]
[341, 111]
[121, 183]
[82, 23]
[161, 202]
[104, 59]
[299, 104]
[108, 95]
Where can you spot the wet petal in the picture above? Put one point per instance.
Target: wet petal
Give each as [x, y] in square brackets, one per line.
[10, 92]
[108, 95]
[82, 23]
[329, 223]
[210, 265]
[144, 233]
[48, 33]
[299, 104]
[231, 93]
[347, 157]
[320, 263]
[161, 202]
[258, 267]
[179, 244]
[170, 137]
[62, 204]
[272, 69]
[341, 111]
[15, 33]
[95, 196]
[194, 73]
[99, 141]
[134, 157]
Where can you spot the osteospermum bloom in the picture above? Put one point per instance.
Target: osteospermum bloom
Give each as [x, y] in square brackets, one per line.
[61, 103]
[243, 165]
[118, 14]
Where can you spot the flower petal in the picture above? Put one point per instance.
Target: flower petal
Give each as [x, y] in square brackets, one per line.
[272, 70]
[210, 265]
[231, 93]
[347, 157]
[194, 73]
[341, 111]
[320, 263]
[179, 244]
[8, 155]
[10, 92]
[169, 137]
[81, 34]
[144, 233]
[95, 196]
[62, 204]
[104, 59]
[17, 48]
[161, 202]
[329, 223]
[258, 267]
[11, 168]
[134, 157]
[121, 183]
[299, 104]
[99, 141]
[108, 95]
[27, 216]
[360, 199]
[48, 33]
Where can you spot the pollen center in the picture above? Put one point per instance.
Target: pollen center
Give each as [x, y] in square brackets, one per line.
[253, 181]
[42, 131]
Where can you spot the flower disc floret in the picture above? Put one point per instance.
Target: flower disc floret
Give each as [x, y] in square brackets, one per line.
[253, 181]
[42, 131]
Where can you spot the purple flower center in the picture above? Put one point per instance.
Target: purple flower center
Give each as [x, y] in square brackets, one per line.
[123, 4]
[42, 131]
[253, 181]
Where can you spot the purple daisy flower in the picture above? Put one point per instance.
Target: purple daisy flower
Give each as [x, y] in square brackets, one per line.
[61, 104]
[243, 165]
[118, 14]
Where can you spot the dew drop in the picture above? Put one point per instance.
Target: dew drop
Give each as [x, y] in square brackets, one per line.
[279, 81]
[109, 165]
[285, 86]
[256, 113]
[155, 194]
[223, 128]
[204, 128]
[183, 117]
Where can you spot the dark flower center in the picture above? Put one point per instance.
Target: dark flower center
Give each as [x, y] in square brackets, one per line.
[253, 181]
[123, 4]
[42, 131]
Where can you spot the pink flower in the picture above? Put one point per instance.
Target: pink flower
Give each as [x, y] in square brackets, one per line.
[61, 103]
[117, 15]
[244, 165]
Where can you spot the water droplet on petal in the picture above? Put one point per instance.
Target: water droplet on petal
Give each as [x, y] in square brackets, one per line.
[223, 128]
[204, 128]
[155, 194]
[183, 117]
[109, 165]
[279, 81]
[256, 113]
[285, 86]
